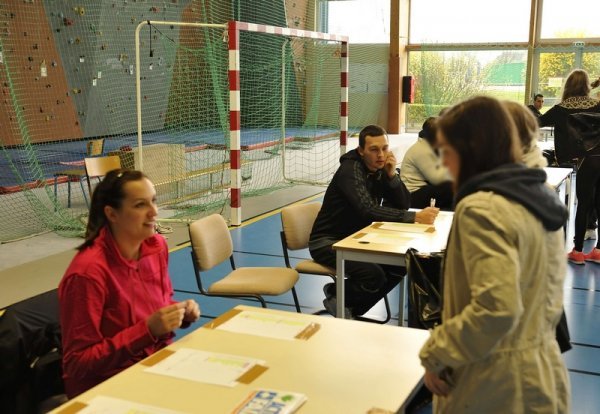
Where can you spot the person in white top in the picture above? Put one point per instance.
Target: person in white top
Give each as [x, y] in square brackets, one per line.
[422, 173]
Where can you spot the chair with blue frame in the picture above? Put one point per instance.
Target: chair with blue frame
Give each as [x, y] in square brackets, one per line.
[94, 148]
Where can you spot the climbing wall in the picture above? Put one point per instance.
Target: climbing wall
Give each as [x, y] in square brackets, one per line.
[95, 42]
[35, 87]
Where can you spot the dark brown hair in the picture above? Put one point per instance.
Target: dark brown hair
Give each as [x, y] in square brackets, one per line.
[577, 84]
[109, 192]
[483, 134]
[371, 131]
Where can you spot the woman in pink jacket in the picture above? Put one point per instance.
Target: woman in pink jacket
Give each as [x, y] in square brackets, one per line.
[116, 305]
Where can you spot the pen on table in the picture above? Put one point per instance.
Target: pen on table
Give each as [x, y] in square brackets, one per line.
[432, 202]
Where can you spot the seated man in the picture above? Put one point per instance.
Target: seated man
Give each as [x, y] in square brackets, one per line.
[365, 188]
[538, 102]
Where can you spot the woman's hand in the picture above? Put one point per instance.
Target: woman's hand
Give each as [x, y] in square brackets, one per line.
[435, 384]
[192, 311]
[166, 319]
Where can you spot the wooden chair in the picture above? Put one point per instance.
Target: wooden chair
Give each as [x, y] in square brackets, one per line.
[97, 167]
[297, 222]
[94, 148]
[212, 244]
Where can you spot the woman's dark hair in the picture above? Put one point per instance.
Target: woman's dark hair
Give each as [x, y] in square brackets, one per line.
[483, 134]
[109, 192]
[577, 84]
[371, 131]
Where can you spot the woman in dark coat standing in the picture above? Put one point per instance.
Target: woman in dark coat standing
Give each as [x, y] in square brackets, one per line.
[576, 99]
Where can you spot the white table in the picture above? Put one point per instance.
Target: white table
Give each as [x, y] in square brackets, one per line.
[354, 248]
[560, 179]
[344, 367]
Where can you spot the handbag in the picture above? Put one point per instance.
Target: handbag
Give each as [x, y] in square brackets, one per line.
[424, 287]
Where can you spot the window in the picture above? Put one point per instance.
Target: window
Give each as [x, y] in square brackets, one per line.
[469, 21]
[444, 78]
[365, 21]
[573, 20]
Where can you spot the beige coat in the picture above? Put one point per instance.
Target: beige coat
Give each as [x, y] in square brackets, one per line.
[503, 290]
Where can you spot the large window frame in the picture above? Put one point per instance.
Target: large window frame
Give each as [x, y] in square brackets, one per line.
[534, 48]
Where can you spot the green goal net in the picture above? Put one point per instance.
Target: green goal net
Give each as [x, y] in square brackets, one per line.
[68, 79]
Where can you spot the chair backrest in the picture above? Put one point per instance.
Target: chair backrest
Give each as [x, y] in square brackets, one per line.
[297, 222]
[211, 241]
[95, 147]
[99, 166]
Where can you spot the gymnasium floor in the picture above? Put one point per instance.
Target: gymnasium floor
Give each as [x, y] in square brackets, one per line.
[258, 244]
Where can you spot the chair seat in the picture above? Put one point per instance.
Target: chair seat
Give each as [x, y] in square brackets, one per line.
[310, 266]
[256, 280]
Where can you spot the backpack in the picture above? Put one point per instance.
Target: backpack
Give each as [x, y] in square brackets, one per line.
[584, 132]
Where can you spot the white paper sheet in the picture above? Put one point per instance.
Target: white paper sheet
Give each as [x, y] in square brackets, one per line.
[382, 238]
[201, 366]
[108, 405]
[262, 324]
[407, 227]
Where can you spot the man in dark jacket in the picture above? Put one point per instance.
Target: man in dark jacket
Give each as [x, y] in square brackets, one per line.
[538, 102]
[365, 188]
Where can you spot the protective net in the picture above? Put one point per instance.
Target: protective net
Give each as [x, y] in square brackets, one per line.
[69, 92]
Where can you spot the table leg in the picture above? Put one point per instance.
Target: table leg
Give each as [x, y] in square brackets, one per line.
[339, 284]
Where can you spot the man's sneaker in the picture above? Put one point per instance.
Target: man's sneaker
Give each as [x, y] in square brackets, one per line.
[590, 234]
[593, 256]
[576, 257]
[331, 307]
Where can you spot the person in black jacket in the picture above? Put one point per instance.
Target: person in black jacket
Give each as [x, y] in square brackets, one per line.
[365, 188]
[576, 99]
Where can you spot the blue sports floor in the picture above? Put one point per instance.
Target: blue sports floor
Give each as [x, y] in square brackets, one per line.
[257, 243]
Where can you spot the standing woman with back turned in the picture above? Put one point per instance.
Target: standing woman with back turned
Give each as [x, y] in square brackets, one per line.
[576, 99]
[116, 304]
[495, 351]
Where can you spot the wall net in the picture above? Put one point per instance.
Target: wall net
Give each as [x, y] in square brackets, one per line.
[68, 77]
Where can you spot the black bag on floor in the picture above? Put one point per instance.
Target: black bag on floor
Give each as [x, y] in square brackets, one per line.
[424, 287]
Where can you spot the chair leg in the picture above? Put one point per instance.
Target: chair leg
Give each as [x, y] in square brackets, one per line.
[55, 193]
[83, 191]
[388, 314]
[68, 192]
[296, 302]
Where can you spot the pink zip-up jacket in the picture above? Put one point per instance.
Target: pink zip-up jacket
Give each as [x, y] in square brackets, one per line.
[104, 303]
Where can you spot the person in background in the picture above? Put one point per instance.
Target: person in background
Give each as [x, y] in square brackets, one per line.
[538, 102]
[576, 99]
[423, 174]
[528, 131]
[503, 274]
[365, 188]
[116, 305]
